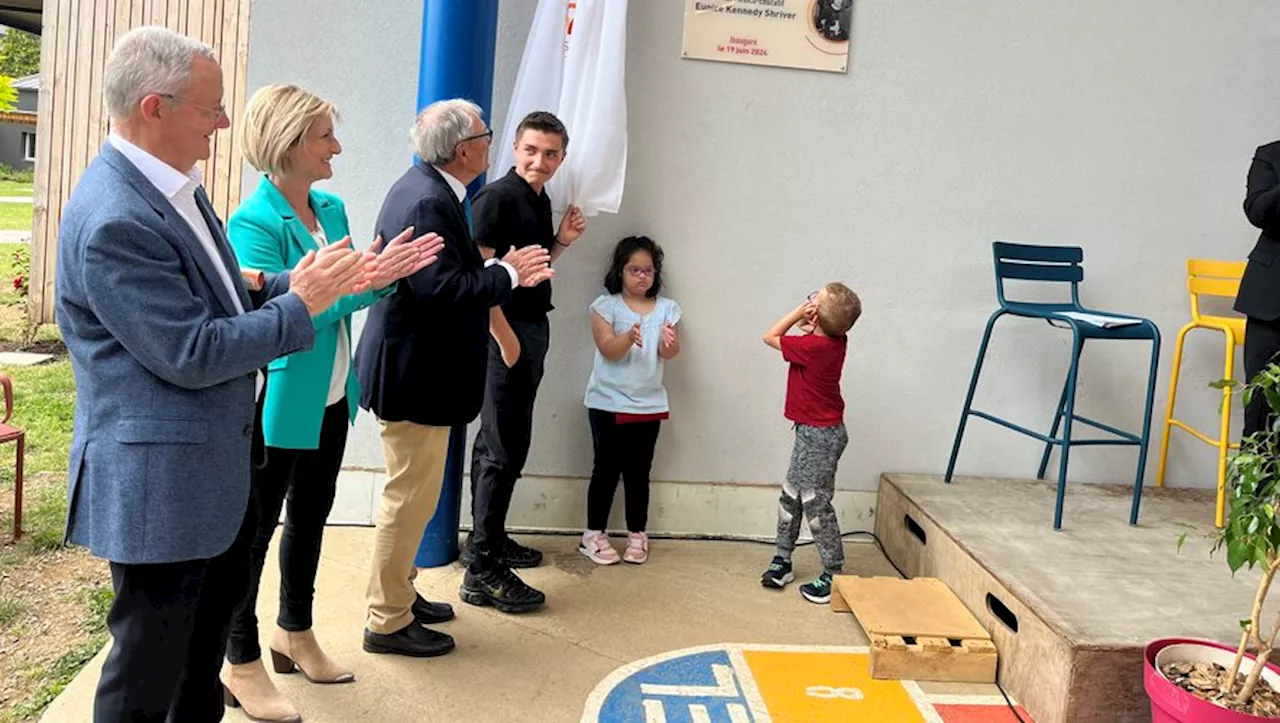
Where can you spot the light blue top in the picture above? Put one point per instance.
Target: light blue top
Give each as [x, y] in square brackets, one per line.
[633, 384]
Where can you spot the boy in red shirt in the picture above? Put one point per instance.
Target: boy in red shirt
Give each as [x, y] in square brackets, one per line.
[816, 407]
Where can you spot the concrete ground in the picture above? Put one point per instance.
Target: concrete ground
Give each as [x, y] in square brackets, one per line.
[544, 666]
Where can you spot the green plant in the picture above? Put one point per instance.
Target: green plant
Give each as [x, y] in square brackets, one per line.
[19, 53]
[17, 175]
[10, 610]
[1251, 535]
[21, 269]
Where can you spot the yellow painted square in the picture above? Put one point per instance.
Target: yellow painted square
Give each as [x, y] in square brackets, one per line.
[822, 687]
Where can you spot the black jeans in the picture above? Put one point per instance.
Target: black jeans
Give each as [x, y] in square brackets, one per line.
[506, 430]
[624, 450]
[308, 478]
[1261, 343]
[169, 622]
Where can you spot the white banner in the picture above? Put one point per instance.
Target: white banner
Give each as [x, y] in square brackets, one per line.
[574, 66]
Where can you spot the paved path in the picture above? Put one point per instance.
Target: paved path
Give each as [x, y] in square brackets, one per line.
[15, 199]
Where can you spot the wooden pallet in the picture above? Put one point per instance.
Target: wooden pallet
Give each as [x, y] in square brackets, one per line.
[919, 629]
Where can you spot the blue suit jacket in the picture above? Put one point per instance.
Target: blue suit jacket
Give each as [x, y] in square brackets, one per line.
[164, 370]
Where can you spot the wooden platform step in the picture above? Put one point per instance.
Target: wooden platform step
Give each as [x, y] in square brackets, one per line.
[919, 629]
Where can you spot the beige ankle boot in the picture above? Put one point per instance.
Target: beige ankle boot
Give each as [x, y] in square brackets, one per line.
[299, 652]
[249, 687]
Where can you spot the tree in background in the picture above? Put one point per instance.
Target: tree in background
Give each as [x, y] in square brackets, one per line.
[19, 56]
[19, 53]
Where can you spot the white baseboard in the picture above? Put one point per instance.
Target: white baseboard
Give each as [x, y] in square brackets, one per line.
[680, 509]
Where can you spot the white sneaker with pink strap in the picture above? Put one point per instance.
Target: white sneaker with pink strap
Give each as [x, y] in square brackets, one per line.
[595, 545]
[637, 548]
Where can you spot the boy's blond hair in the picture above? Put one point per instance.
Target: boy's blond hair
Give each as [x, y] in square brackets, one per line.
[839, 309]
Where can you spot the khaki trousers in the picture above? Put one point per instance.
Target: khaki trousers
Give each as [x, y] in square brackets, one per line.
[415, 471]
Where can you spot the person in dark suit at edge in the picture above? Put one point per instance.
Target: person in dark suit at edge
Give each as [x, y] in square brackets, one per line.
[1259, 295]
[421, 366]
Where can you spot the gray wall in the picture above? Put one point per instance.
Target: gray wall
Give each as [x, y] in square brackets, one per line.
[1123, 127]
[12, 152]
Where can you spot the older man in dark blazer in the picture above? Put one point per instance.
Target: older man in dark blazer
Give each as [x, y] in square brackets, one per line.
[165, 342]
[421, 365]
[1259, 296]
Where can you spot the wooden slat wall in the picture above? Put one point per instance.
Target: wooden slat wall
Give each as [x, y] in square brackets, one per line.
[73, 123]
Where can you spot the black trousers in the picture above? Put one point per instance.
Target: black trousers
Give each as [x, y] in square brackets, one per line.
[170, 623]
[308, 479]
[621, 450]
[1261, 343]
[506, 428]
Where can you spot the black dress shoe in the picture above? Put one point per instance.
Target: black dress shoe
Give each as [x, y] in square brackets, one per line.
[430, 613]
[412, 640]
[500, 588]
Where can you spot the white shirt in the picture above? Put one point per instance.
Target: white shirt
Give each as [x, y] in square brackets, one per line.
[180, 189]
[460, 190]
[342, 359]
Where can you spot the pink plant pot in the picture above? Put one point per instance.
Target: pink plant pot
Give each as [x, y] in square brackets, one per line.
[1172, 704]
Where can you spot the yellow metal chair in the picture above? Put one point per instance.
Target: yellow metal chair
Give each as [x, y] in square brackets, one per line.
[1220, 279]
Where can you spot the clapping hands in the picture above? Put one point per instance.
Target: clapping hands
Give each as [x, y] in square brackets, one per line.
[401, 257]
[531, 264]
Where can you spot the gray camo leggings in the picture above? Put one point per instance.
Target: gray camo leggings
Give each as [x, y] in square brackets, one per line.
[808, 490]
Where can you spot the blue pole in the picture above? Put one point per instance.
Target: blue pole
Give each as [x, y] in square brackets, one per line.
[458, 42]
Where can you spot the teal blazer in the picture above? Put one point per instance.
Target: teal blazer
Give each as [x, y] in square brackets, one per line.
[267, 235]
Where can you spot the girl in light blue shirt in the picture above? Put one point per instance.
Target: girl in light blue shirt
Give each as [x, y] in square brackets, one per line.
[635, 331]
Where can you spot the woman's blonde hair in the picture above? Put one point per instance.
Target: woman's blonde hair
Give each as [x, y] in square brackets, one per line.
[275, 121]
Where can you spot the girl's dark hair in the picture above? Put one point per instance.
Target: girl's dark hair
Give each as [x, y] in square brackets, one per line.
[622, 254]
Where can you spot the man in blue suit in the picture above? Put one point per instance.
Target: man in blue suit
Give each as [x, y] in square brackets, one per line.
[165, 343]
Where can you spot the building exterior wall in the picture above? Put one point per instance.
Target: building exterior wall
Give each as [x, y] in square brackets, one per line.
[1126, 128]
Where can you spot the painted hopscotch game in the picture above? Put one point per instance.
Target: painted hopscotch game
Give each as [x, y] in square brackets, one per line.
[778, 684]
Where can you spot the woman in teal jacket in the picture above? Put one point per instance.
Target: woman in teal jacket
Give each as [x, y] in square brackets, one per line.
[310, 397]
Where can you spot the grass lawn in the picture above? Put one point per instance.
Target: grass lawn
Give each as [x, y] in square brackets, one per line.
[16, 188]
[53, 599]
[15, 217]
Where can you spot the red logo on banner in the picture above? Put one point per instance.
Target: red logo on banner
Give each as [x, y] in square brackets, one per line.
[568, 25]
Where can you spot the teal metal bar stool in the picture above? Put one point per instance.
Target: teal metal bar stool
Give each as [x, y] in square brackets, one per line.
[1062, 265]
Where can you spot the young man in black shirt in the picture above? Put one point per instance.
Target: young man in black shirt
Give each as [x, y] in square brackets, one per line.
[513, 212]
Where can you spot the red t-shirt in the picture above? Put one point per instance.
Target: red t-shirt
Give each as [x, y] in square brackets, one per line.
[813, 382]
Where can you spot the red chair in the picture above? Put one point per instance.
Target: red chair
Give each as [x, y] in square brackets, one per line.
[10, 433]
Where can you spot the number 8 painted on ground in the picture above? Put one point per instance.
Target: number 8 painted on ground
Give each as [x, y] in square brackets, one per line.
[826, 692]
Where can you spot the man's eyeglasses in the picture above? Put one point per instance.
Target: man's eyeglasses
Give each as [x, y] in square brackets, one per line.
[487, 134]
[637, 271]
[216, 111]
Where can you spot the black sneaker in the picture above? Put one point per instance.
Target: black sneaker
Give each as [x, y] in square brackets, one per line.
[499, 587]
[467, 553]
[778, 574]
[513, 554]
[412, 640]
[818, 591]
[510, 553]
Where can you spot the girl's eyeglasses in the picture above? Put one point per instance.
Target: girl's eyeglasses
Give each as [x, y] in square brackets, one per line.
[637, 271]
